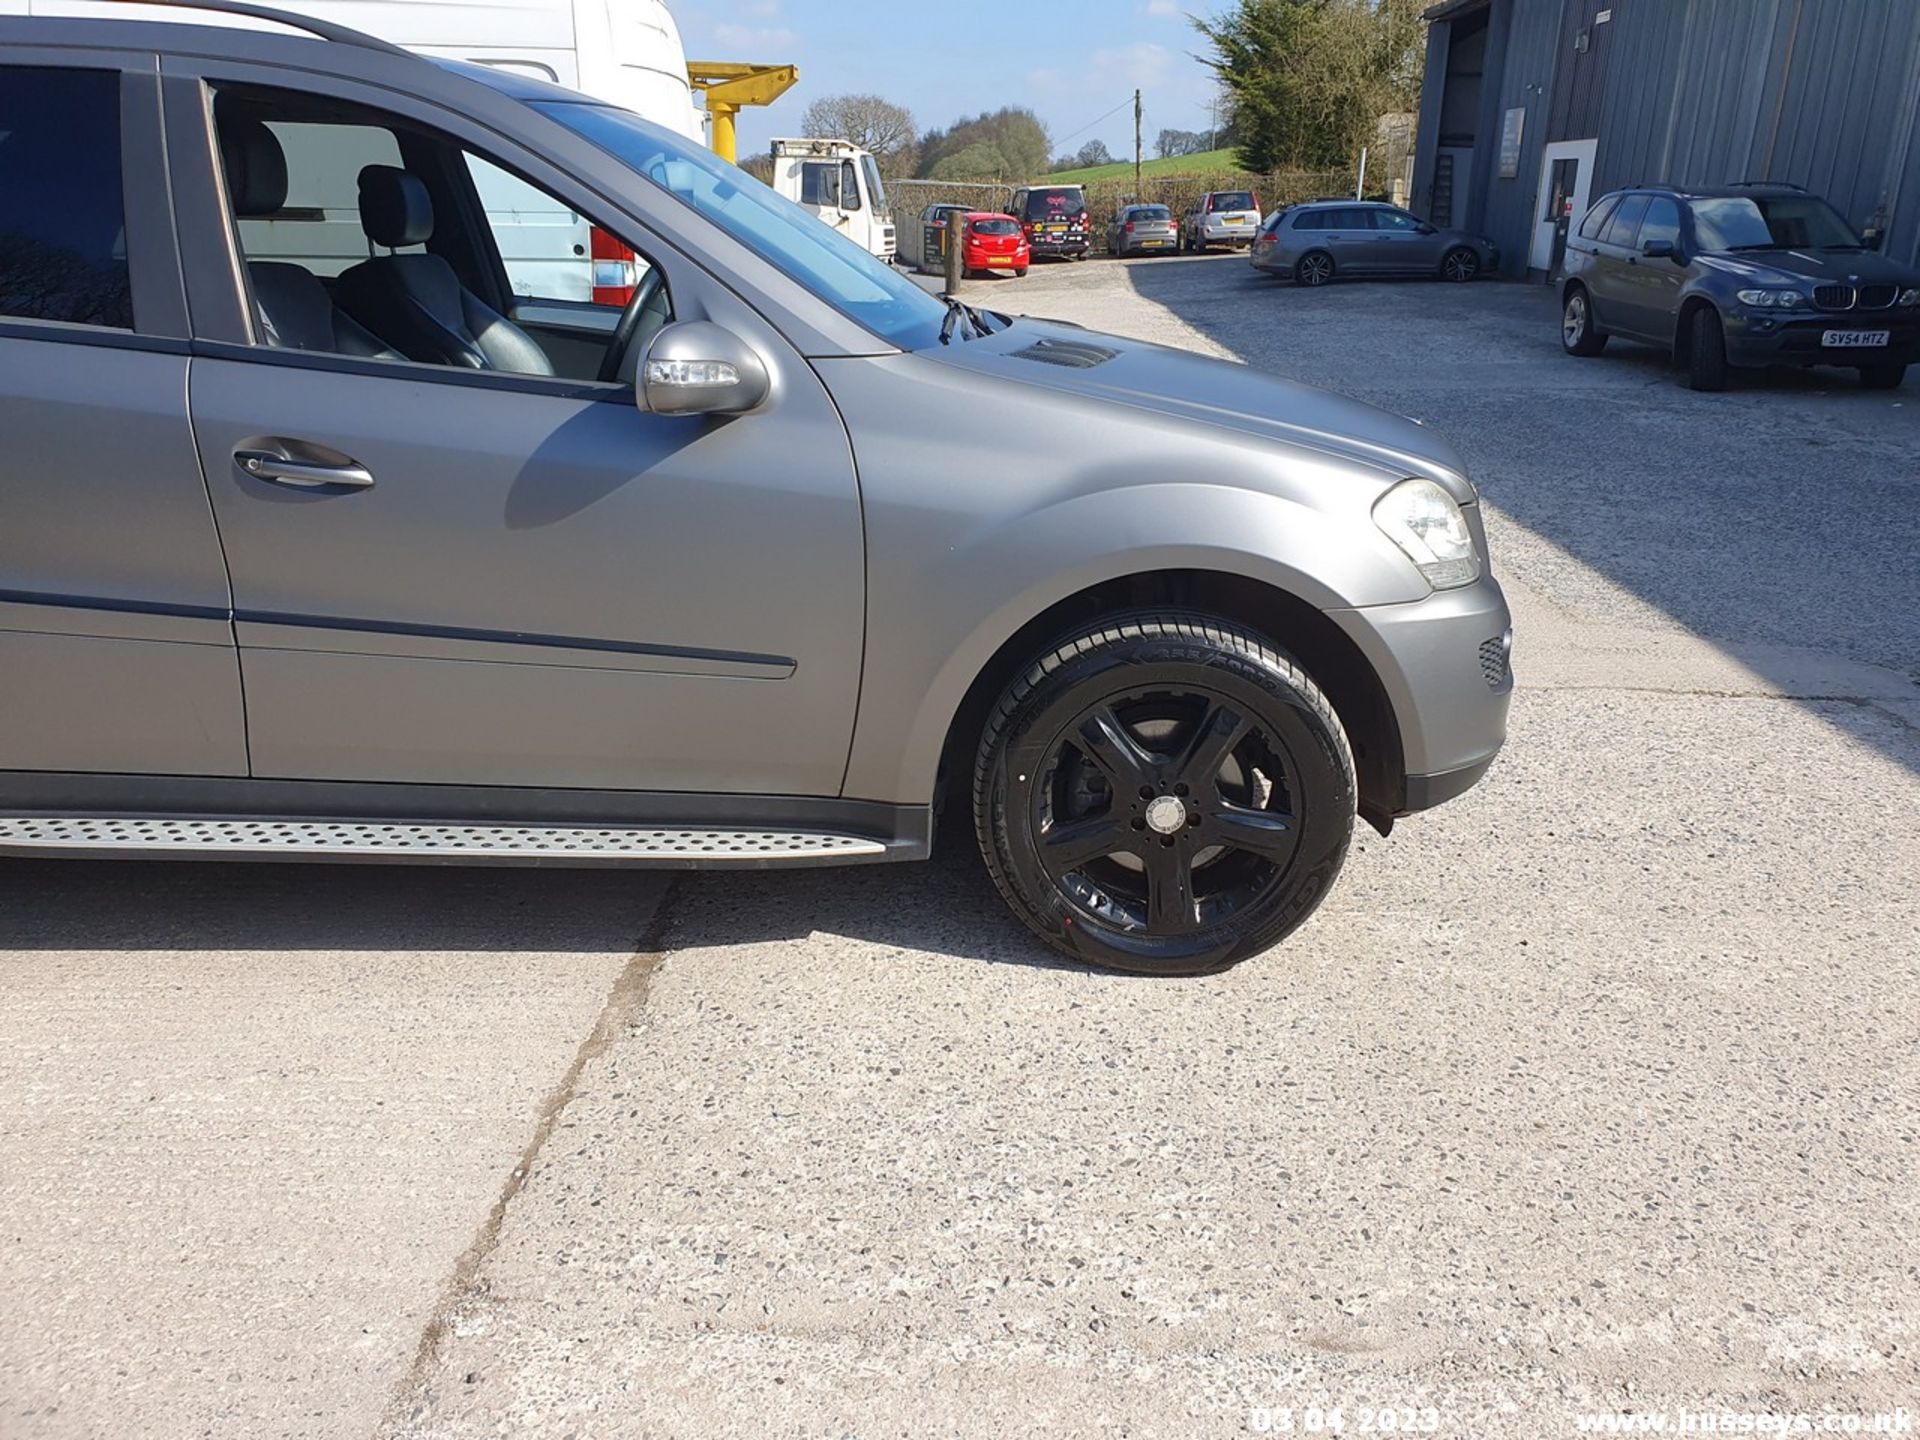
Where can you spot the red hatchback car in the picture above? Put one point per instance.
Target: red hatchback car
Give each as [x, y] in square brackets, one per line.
[994, 242]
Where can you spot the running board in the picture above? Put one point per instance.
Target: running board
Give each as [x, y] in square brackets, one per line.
[389, 841]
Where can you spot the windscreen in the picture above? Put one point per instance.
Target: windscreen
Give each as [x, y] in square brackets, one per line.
[815, 256]
[1152, 212]
[995, 226]
[1233, 200]
[1771, 222]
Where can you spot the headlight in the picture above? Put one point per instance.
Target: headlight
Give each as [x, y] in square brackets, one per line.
[1910, 297]
[1423, 520]
[1769, 299]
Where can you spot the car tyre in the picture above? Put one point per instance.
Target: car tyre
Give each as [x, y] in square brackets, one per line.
[1707, 350]
[1882, 377]
[1163, 792]
[1313, 268]
[1021, 273]
[1579, 334]
[1460, 264]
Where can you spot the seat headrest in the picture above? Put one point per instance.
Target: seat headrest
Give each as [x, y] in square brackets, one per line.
[395, 209]
[256, 167]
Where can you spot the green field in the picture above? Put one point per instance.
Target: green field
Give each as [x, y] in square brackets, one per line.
[1207, 162]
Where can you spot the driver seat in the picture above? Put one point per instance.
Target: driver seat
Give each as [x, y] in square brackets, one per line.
[415, 302]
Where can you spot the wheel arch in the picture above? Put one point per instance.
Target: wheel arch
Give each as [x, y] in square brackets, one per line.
[1297, 626]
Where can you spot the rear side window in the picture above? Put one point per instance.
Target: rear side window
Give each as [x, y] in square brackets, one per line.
[1597, 217]
[63, 247]
[1310, 220]
[1625, 221]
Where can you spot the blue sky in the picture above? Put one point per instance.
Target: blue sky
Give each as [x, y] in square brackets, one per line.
[1070, 60]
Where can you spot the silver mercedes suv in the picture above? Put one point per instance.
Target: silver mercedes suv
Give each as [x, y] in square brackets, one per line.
[346, 518]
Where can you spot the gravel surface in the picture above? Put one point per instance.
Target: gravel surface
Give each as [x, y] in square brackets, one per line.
[1593, 1091]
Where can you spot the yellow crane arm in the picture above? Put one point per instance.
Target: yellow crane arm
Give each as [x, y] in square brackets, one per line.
[728, 85]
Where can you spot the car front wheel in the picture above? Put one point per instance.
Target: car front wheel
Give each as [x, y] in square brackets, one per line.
[1707, 350]
[1882, 377]
[1164, 792]
[1314, 268]
[1460, 264]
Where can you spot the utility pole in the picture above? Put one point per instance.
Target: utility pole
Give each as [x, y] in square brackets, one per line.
[1136, 144]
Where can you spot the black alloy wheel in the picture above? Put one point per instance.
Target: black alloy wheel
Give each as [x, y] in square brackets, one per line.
[1460, 264]
[1164, 793]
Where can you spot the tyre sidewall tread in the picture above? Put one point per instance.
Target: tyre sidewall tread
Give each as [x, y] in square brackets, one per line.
[1183, 638]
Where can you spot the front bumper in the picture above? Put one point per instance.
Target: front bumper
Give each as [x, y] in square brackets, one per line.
[1445, 663]
[1756, 338]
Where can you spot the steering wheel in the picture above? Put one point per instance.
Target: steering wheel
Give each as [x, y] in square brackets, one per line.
[628, 327]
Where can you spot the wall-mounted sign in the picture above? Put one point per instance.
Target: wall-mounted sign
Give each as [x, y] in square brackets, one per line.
[1603, 17]
[1510, 130]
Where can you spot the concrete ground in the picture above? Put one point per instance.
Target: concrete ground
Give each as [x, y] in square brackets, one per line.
[1597, 1090]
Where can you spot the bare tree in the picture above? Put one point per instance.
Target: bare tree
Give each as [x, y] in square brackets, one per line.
[868, 121]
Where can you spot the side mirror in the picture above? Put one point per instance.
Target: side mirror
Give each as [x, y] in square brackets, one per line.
[1425, 229]
[1873, 237]
[695, 367]
[1658, 250]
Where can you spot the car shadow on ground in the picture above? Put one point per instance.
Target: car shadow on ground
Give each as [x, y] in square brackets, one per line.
[1777, 518]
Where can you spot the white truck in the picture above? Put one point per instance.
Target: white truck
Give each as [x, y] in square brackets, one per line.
[840, 183]
[625, 52]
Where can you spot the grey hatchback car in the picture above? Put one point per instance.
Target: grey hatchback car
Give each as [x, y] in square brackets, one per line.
[1317, 242]
[338, 529]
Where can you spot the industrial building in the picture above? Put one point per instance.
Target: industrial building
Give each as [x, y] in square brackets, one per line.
[1533, 107]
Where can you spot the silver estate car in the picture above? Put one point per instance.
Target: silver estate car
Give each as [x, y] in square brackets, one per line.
[338, 526]
[1317, 242]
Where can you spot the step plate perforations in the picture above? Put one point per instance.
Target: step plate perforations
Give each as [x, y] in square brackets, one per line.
[403, 841]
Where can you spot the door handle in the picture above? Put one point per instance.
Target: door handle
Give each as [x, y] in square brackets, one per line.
[271, 465]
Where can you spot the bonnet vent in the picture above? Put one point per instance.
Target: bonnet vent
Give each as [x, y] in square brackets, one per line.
[1074, 354]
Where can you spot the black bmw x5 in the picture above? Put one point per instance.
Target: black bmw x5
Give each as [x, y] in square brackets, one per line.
[1744, 275]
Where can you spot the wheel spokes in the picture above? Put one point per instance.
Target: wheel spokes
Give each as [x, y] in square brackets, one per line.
[1219, 730]
[1077, 843]
[1270, 834]
[1111, 746]
[1170, 903]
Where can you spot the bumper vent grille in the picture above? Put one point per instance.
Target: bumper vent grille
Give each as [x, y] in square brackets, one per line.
[1494, 660]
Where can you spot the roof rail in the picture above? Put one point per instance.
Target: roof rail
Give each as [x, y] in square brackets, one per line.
[1758, 184]
[322, 29]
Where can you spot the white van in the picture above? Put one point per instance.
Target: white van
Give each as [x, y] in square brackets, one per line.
[625, 52]
[839, 183]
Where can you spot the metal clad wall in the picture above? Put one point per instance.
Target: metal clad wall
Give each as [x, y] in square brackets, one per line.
[1526, 79]
[1824, 93]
